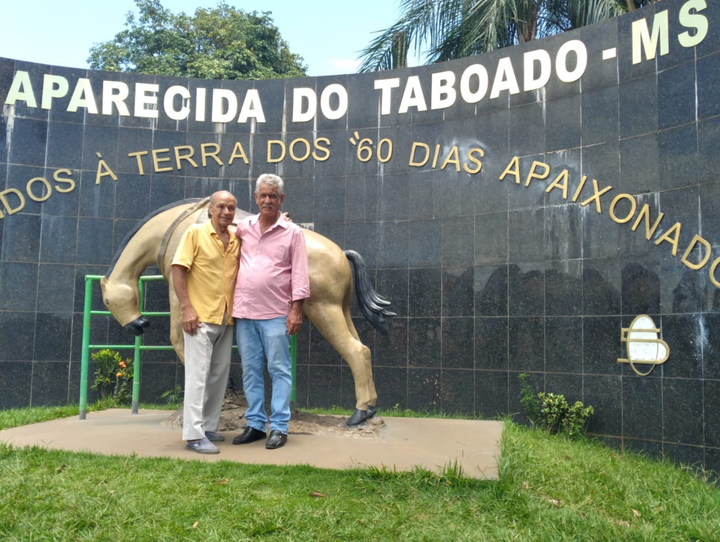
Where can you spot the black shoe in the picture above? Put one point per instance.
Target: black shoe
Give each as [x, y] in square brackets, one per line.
[277, 439]
[360, 416]
[249, 435]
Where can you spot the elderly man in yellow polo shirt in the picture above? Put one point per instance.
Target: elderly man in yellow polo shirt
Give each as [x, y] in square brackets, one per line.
[203, 272]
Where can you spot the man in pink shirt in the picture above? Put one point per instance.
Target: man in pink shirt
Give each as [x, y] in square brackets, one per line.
[272, 283]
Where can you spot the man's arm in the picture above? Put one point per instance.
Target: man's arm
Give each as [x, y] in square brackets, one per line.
[188, 315]
[300, 282]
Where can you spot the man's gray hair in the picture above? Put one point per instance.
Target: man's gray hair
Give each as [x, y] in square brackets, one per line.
[270, 180]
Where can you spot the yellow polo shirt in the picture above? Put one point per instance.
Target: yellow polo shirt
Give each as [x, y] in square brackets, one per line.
[211, 271]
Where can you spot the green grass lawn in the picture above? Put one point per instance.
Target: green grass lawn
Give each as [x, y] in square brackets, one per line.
[550, 488]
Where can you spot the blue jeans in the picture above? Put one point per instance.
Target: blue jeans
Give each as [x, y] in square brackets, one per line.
[256, 340]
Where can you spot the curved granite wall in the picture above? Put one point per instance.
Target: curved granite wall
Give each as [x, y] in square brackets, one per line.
[519, 208]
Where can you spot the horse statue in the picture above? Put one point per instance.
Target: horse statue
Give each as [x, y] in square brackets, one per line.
[154, 242]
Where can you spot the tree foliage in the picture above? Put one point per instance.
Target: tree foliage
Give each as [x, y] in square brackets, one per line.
[456, 28]
[217, 43]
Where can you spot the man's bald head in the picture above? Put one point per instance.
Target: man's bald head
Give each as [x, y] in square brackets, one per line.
[221, 194]
[222, 210]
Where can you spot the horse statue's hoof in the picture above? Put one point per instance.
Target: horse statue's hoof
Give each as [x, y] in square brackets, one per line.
[360, 416]
[137, 326]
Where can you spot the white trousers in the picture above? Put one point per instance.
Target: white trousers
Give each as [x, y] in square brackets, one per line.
[207, 366]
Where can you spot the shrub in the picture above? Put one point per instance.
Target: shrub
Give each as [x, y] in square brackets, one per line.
[174, 396]
[576, 418]
[552, 412]
[113, 376]
[529, 400]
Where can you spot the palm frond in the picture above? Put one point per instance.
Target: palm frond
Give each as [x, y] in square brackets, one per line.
[456, 28]
[423, 22]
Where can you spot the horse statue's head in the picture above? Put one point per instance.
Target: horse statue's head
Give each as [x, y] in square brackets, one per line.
[152, 241]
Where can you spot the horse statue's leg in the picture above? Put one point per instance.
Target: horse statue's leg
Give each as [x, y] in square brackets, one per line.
[328, 308]
[334, 323]
[176, 335]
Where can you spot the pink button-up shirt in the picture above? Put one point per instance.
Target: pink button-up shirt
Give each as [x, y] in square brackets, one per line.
[273, 269]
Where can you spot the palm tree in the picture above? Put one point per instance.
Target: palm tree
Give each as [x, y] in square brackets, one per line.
[457, 28]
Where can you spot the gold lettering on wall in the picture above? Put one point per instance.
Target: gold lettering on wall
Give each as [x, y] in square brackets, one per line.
[512, 169]
[645, 213]
[713, 268]
[534, 175]
[272, 143]
[704, 260]
[671, 236]
[560, 183]
[326, 150]
[157, 159]
[137, 155]
[579, 188]
[476, 161]
[103, 170]
[214, 155]
[596, 196]
[17, 201]
[539, 171]
[9, 209]
[187, 156]
[64, 180]
[452, 158]
[47, 191]
[436, 155]
[306, 153]
[415, 146]
[615, 201]
[238, 152]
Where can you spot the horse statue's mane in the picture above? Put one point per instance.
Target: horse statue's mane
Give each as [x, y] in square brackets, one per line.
[128, 237]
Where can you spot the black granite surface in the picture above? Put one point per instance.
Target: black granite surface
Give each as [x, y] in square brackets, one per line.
[489, 278]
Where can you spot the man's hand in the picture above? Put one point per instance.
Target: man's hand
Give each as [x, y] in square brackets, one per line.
[188, 316]
[190, 321]
[295, 318]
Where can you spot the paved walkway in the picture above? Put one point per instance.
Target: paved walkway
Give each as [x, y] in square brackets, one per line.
[402, 444]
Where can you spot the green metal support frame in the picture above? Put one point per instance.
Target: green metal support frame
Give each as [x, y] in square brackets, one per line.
[137, 347]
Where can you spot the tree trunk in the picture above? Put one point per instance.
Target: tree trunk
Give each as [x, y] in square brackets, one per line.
[399, 50]
[528, 29]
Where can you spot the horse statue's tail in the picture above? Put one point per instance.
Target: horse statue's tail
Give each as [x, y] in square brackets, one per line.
[371, 304]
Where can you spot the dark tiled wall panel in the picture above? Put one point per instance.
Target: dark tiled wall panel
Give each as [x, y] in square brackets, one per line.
[488, 278]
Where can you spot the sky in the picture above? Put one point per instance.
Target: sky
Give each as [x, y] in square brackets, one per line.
[328, 34]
